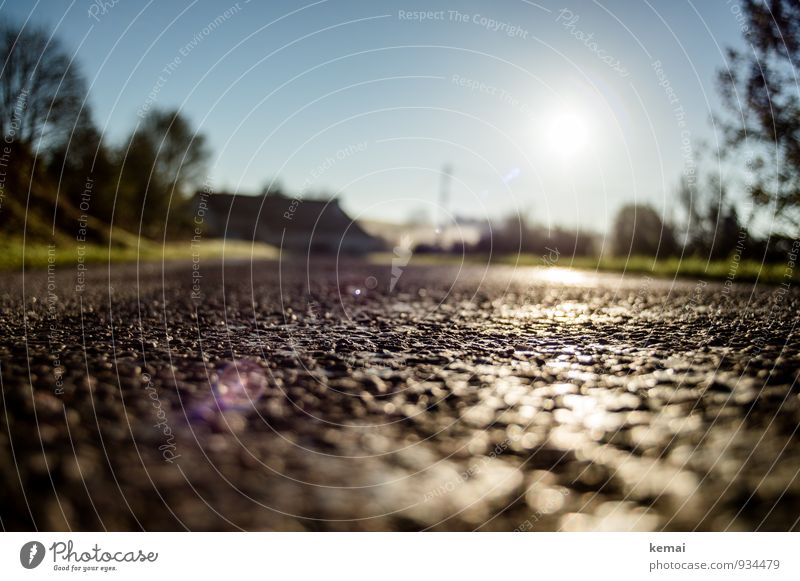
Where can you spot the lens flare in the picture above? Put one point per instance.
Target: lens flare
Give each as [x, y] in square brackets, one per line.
[239, 384]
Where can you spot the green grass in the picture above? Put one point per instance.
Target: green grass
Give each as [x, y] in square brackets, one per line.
[691, 267]
[36, 255]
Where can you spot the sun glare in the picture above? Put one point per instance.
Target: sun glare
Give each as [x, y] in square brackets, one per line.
[567, 134]
[563, 275]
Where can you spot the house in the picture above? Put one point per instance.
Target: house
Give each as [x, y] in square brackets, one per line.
[294, 224]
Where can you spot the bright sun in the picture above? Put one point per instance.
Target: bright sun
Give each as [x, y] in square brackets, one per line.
[567, 134]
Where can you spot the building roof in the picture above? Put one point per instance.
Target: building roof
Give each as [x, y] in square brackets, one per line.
[274, 217]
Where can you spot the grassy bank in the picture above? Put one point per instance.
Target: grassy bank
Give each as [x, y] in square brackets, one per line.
[689, 268]
[692, 267]
[38, 255]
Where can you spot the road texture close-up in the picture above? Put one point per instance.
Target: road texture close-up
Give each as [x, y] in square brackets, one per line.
[355, 396]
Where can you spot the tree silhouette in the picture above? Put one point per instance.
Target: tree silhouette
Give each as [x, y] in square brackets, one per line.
[162, 164]
[760, 89]
[41, 92]
[639, 231]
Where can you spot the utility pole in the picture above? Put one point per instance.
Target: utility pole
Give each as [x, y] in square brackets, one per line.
[442, 210]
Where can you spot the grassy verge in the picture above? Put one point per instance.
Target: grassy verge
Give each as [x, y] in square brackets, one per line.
[694, 268]
[38, 255]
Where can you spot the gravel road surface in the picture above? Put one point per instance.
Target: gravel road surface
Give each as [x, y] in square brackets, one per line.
[353, 397]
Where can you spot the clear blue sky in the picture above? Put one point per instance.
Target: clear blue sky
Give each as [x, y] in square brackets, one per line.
[280, 87]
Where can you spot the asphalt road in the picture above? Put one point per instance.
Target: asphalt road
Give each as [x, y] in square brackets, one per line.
[428, 398]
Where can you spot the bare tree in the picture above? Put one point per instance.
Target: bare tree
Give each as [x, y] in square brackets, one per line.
[163, 163]
[179, 153]
[639, 231]
[760, 89]
[41, 92]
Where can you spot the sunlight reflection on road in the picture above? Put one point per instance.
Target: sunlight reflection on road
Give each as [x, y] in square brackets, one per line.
[567, 276]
